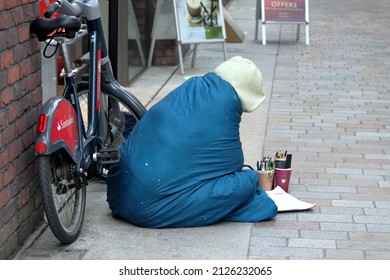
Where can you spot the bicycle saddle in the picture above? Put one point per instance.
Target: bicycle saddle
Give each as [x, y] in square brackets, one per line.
[44, 27]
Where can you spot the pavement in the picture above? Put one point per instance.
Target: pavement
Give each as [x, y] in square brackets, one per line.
[328, 103]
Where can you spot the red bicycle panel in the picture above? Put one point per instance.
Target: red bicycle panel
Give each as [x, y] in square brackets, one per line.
[64, 126]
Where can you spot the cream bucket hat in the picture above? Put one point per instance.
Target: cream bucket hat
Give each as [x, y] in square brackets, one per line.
[246, 79]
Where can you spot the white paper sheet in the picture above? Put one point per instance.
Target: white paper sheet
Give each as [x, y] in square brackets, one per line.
[286, 202]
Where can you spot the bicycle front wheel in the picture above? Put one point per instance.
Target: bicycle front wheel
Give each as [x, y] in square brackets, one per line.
[63, 196]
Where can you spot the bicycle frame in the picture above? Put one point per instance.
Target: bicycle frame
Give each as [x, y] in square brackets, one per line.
[57, 114]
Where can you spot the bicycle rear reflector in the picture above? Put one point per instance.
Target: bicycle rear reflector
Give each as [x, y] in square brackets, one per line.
[40, 148]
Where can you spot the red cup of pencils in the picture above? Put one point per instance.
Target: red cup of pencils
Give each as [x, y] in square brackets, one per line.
[282, 178]
[282, 170]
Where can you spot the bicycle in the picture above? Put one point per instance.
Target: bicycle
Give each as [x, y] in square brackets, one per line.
[79, 132]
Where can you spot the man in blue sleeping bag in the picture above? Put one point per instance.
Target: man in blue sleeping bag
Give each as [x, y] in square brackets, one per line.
[182, 165]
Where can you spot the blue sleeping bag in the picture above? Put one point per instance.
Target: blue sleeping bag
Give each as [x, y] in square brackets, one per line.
[182, 164]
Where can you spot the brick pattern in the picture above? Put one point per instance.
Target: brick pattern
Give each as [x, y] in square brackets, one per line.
[20, 103]
[330, 107]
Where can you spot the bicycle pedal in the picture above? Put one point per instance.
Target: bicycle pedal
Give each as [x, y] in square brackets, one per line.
[107, 156]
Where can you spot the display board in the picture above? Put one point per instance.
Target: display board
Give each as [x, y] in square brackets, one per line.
[189, 22]
[282, 11]
[290, 11]
[199, 21]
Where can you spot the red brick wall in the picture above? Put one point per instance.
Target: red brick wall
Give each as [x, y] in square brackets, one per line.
[20, 104]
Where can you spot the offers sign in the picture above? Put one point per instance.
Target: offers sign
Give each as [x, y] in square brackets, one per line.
[284, 10]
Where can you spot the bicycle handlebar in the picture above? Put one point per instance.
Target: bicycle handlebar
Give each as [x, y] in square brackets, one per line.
[63, 7]
[87, 8]
[52, 9]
